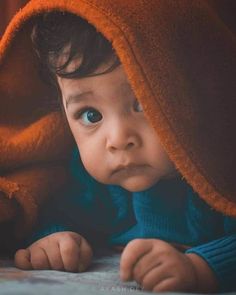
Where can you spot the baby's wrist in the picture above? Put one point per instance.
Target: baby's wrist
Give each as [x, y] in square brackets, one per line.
[206, 280]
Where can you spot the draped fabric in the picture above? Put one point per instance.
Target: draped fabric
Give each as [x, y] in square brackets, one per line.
[32, 161]
[180, 59]
[7, 9]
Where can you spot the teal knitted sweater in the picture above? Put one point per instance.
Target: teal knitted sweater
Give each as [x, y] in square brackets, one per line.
[170, 211]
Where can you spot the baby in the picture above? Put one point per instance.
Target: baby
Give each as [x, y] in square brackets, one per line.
[125, 188]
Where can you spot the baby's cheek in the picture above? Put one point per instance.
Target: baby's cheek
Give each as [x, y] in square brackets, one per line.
[95, 167]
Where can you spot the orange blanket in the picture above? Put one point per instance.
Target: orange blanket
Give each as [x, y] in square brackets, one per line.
[180, 58]
[7, 9]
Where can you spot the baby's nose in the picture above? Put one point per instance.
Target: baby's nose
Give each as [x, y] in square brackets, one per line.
[122, 137]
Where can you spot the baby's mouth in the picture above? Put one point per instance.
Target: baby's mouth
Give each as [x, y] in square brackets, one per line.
[128, 170]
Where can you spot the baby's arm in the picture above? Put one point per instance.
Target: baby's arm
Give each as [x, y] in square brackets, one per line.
[157, 266]
[65, 251]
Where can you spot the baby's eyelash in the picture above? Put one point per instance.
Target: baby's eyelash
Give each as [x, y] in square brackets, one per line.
[137, 106]
[77, 115]
[88, 116]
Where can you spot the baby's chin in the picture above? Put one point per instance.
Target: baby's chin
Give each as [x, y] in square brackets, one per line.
[137, 183]
[132, 183]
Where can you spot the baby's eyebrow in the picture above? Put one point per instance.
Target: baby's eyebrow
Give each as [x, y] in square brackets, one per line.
[76, 97]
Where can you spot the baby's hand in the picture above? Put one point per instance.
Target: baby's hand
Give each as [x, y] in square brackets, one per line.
[65, 251]
[157, 266]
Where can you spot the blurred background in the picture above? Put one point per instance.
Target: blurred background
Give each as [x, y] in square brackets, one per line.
[7, 10]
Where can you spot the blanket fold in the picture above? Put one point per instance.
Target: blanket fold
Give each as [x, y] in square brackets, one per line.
[35, 143]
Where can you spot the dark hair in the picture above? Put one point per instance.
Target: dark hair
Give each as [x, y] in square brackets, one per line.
[55, 32]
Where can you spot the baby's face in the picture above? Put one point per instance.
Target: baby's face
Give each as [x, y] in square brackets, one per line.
[116, 143]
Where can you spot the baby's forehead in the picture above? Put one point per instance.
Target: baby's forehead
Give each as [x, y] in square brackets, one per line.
[114, 82]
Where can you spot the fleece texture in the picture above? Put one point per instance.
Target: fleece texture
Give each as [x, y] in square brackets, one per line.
[7, 9]
[180, 59]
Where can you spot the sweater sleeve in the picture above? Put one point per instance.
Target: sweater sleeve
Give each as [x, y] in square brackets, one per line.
[220, 254]
[52, 218]
[83, 207]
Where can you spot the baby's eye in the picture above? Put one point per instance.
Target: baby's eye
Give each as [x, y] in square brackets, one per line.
[90, 116]
[137, 106]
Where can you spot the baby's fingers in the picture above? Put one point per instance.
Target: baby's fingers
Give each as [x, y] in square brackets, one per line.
[54, 257]
[168, 285]
[70, 253]
[154, 278]
[76, 253]
[22, 259]
[134, 251]
[32, 258]
[39, 258]
[85, 255]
